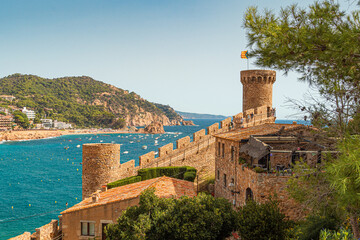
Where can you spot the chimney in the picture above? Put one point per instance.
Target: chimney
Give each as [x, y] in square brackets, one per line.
[95, 196]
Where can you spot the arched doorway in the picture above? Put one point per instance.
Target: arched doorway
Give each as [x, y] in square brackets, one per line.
[249, 194]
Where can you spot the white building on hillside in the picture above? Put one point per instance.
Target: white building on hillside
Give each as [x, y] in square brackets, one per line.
[47, 123]
[29, 113]
[61, 125]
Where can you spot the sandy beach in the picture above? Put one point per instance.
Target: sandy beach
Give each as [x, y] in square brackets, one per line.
[39, 134]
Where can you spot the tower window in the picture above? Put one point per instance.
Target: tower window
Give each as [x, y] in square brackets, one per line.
[223, 150]
[232, 153]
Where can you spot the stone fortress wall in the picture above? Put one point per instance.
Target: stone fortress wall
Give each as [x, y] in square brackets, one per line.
[101, 162]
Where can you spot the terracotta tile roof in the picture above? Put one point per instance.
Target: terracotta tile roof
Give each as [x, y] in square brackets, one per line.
[264, 129]
[165, 187]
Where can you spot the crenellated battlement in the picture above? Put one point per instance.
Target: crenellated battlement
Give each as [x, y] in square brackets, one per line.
[225, 124]
[166, 150]
[199, 135]
[101, 161]
[147, 158]
[254, 116]
[213, 129]
[258, 77]
[183, 142]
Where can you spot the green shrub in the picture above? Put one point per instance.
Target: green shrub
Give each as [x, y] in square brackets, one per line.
[190, 176]
[313, 225]
[343, 234]
[124, 181]
[202, 217]
[262, 221]
[175, 172]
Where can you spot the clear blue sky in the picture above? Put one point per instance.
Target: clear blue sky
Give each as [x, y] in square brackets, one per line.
[176, 52]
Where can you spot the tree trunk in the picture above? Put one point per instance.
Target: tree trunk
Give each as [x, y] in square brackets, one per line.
[354, 225]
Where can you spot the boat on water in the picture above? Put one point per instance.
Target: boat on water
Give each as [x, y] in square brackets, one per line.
[125, 152]
[144, 147]
[77, 146]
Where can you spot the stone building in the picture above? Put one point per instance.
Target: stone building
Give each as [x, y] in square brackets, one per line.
[254, 161]
[88, 218]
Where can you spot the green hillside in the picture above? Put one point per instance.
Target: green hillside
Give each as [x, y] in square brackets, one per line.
[79, 100]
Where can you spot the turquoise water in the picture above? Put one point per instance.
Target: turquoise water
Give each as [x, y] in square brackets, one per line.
[45, 175]
[38, 177]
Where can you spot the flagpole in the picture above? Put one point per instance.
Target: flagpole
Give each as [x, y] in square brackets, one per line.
[244, 55]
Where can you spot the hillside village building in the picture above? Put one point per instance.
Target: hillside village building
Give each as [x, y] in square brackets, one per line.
[29, 113]
[5, 122]
[249, 155]
[61, 125]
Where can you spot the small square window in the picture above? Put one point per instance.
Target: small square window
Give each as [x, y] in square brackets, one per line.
[87, 228]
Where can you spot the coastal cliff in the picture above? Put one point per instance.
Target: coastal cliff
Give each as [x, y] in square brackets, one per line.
[83, 101]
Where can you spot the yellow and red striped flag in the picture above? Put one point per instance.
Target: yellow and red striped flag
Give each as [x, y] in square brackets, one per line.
[244, 54]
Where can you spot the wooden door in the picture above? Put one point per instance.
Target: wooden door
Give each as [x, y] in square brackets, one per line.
[103, 236]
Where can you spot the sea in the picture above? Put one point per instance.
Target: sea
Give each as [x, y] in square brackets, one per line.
[39, 178]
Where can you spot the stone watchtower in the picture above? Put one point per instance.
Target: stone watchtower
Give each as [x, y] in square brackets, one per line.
[101, 163]
[257, 88]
